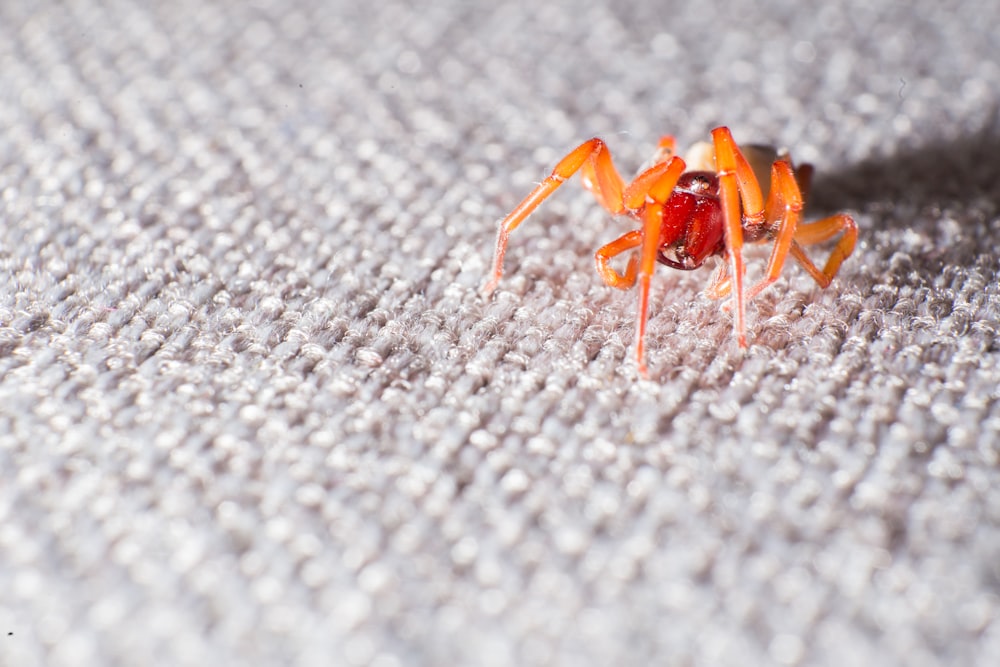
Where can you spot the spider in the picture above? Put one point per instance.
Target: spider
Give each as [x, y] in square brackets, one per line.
[705, 205]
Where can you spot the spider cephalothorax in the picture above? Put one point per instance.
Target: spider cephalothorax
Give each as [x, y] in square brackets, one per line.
[691, 230]
[707, 205]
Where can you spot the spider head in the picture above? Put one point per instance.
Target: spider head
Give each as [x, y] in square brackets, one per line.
[692, 227]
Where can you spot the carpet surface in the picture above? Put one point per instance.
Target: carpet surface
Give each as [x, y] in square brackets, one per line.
[255, 410]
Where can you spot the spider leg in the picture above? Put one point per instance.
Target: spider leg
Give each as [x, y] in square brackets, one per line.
[781, 205]
[829, 227]
[720, 285]
[822, 230]
[599, 177]
[737, 184]
[625, 243]
[774, 213]
[653, 186]
[666, 148]
[784, 208]
[648, 192]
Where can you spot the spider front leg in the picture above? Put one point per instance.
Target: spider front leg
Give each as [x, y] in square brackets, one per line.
[647, 194]
[737, 184]
[783, 211]
[599, 176]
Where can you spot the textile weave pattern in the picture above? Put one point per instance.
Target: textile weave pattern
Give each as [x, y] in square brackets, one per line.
[254, 408]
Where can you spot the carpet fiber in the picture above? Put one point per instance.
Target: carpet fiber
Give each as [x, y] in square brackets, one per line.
[255, 410]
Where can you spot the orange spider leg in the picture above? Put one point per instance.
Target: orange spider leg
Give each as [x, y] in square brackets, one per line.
[827, 229]
[601, 179]
[599, 176]
[720, 285]
[746, 180]
[652, 185]
[658, 182]
[666, 148]
[625, 243]
[736, 181]
[822, 230]
[784, 207]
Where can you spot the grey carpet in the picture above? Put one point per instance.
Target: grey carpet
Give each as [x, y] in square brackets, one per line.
[254, 410]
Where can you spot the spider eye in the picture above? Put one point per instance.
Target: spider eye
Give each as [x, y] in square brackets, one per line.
[699, 184]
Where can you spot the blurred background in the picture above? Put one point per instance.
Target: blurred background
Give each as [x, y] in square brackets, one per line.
[254, 409]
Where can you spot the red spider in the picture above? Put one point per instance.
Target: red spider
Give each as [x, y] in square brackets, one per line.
[690, 211]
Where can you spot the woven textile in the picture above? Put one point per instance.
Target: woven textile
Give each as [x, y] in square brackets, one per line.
[255, 410]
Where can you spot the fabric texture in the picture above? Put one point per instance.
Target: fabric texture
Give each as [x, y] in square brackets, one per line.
[255, 410]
